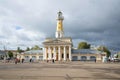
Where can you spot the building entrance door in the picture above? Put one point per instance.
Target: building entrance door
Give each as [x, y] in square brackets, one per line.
[57, 57]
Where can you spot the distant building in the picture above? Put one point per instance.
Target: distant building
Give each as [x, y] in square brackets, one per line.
[87, 55]
[35, 55]
[2, 54]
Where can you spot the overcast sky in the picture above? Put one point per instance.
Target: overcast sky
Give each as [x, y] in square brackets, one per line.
[28, 22]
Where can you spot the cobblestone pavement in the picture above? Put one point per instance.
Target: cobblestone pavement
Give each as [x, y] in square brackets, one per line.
[60, 71]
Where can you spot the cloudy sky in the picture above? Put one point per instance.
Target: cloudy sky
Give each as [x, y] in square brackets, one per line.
[28, 22]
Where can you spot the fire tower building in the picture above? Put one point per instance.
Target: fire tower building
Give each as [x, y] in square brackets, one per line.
[58, 48]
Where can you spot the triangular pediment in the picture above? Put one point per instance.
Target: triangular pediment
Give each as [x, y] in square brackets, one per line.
[56, 41]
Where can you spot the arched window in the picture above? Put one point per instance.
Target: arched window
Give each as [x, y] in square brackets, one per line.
[34, 57]
[74, 58]
[83, 58]
[92, 58]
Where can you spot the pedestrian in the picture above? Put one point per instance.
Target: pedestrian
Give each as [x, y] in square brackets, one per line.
[47, 61]
[16, 60]
[30, 60]
[53, 61]
[22, 60]
[95, 60]
[109, 60]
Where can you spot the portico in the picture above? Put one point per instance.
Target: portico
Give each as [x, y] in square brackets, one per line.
[58, 51]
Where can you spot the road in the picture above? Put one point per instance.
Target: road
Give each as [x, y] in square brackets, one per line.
[60, 71]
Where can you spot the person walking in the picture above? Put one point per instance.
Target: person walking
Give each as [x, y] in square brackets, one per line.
[95, 60]
[47, 60]
[22, 60]
[16, 60]
[30, 60]
[53, 61]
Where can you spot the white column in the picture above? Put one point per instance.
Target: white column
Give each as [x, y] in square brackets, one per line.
[59, 54]
[64, 52]
[44, 54]
[30, 56]
[79, 57]
[70, 53]
[49, 53]
[37, 57]
[54, 55]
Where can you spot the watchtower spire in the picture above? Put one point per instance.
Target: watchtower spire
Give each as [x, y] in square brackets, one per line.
[59, 31]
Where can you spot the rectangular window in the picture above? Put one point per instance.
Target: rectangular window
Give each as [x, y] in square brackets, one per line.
[26, 56]
[33, 56]
[41, 57]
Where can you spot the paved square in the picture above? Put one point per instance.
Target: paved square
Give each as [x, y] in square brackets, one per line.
[60, 71]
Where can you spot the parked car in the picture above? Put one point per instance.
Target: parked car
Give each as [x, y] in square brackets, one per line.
[116, 60]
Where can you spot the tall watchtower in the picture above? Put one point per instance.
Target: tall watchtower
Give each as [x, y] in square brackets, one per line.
[59, 30]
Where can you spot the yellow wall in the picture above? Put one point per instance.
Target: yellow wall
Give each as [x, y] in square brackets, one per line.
[59, 25]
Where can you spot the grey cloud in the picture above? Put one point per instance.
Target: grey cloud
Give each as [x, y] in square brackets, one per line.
[95, 21]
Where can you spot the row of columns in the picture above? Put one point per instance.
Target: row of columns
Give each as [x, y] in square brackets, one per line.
[55, 53]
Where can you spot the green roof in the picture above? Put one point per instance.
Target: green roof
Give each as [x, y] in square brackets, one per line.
[34, 52]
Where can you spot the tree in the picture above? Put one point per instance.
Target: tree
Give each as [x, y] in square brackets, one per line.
[36, 47]
[10, 54]
[103, 48]
[119, 55]
[116, 56]
[83, 45]
[28, 49]
[19, 50]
